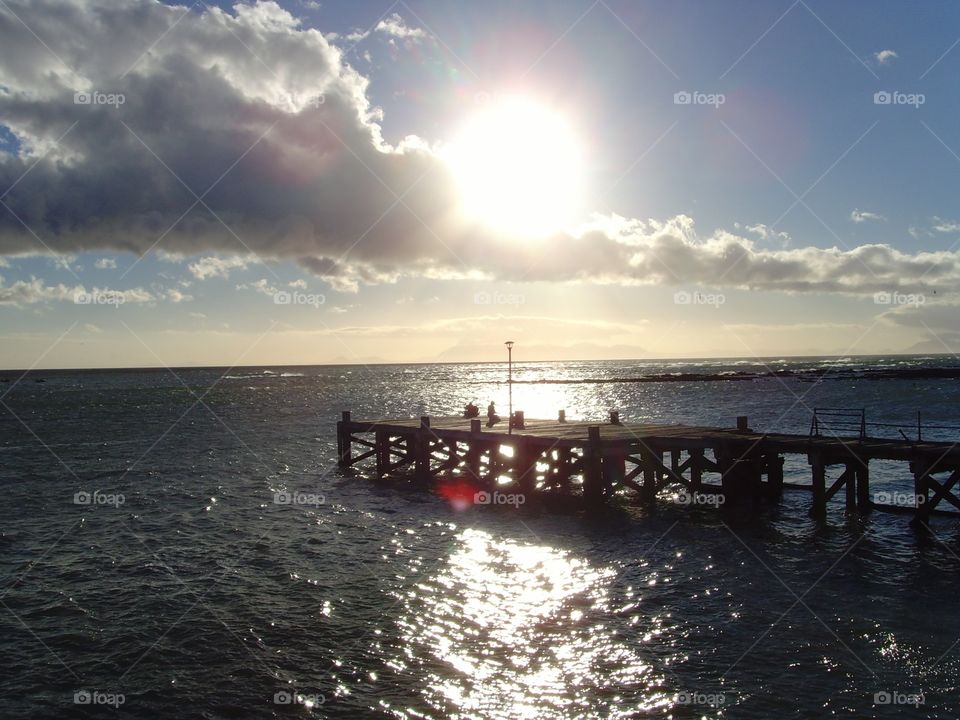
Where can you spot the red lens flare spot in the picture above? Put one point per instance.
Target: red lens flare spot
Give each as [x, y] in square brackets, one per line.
[459, 493]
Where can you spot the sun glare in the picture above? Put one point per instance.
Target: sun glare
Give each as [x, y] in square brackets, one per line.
[517, 166]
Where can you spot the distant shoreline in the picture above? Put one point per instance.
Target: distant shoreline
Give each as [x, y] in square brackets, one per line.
[687, 360]
[808, 375]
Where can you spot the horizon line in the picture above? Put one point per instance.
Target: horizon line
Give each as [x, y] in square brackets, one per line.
[27, 371]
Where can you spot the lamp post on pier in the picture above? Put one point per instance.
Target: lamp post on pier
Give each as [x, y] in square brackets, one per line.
[509, 344]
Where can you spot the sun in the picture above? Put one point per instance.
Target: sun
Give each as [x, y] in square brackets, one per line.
[517, 165]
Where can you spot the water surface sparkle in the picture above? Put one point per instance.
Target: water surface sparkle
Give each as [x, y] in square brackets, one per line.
[509, 630]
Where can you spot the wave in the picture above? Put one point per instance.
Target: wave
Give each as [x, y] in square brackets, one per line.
[265, 375]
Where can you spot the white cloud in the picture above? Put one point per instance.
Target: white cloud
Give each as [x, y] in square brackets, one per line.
[33, 291]
[175, 296]
[885, 56]
[264, 287]
[28, 292]
[395, 26]
[215, 266]
[945, 226]
[91, 328]
[765, 232]
[299, 284]
[860, 216]
[261, 286]
[169, 257]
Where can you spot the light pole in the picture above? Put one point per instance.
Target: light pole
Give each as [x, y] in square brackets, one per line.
[509, 344]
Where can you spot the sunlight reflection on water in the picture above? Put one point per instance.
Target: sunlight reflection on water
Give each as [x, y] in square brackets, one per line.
[508, 630]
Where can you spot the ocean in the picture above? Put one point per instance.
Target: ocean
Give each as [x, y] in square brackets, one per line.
[148, 570]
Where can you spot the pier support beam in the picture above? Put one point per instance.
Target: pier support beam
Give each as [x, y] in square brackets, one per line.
[818, 509]
[614, 470]
[473, 452]
[696, 470]
[593, 467]
[940, 492]
[382, 442]
[864, 501]
[774, 465]
[921, 473]
[850, 471]
[525, 467]
[422, 450]
[651, 462]
[343, 440]
[563, 469]
[741, 474]
[494, 465]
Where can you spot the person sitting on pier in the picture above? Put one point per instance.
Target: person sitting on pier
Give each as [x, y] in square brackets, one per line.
[492, 417]
[471, 411]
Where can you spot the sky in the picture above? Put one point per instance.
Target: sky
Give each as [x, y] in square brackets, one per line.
[309, 182]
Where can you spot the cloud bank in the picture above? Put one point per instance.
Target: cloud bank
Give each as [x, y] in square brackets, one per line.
[33, 291]
[246, 134]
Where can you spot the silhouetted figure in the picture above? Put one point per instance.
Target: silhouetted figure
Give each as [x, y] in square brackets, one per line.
[471, 411]
[492, 417]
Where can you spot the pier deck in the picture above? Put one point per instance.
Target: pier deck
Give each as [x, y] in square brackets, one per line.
[597, 460]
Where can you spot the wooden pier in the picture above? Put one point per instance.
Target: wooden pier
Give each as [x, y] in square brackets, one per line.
[598, 461]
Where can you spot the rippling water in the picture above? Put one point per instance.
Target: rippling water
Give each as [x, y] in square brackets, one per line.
[199, 596]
